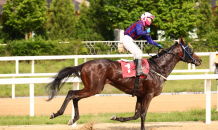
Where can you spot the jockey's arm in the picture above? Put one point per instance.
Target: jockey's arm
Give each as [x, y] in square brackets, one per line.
[149, 40]
[140, 32]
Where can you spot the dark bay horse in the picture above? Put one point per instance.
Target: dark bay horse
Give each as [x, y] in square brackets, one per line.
[96, 73]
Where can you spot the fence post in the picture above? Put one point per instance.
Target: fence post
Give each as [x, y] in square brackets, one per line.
[75, 87]
[13, 90]
[212, 57]
[17, 71]
[193, 66]
[208, 102]
[189, 66]
[33, 67]
[76, 61]
[17, 66]
[31, 99]
[205, 84]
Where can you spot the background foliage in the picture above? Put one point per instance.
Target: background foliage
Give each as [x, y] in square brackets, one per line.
[207, 25]
[96, 23]
[39, 46]
[62, 22]
[23, 16]
[175, 17]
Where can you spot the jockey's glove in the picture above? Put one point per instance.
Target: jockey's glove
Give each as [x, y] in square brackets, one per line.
[148, 30]
[160, 47]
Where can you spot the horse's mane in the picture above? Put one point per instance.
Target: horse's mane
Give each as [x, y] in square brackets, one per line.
[163, 52]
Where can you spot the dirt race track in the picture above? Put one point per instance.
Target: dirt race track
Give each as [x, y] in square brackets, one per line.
[111, 104]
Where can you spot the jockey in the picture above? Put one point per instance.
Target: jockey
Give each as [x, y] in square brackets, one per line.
[134, 31]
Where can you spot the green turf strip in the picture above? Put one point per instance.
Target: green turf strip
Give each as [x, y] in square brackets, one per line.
[190, 115]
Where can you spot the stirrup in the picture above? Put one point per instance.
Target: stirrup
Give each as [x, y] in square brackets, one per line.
[141, 73]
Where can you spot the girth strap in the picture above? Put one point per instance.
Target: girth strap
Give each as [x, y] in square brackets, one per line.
[135, 90]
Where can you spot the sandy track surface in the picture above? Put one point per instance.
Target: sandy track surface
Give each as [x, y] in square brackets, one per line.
[110, 104]
[124, 126]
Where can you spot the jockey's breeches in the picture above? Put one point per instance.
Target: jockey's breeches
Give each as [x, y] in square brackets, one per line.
[129, 44]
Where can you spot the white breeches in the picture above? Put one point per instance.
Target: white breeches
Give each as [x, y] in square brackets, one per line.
[129, 44]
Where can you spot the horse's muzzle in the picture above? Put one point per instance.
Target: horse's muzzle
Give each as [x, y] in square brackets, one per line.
[197, 62]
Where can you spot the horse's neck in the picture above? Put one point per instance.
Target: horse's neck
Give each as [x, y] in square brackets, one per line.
[167, 63]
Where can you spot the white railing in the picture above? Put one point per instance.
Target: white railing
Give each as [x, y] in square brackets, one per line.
[75, 57]
[114, 45]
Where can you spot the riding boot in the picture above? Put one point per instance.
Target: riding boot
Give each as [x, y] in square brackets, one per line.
[139, 71]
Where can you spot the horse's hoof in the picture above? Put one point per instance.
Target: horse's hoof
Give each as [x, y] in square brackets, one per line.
[70, 122]
[114, 117]
[52, 116]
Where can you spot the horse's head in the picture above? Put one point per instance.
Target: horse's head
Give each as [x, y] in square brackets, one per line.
[187, 54]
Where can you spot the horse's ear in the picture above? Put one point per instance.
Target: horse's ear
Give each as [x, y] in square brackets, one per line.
[182, 41]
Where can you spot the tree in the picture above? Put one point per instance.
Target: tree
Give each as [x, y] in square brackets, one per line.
[100, 20]
[84, 32]
[62, 20]
[207, 26]
[175, 17]
[93, 22]
[206, 21]
[24, 15]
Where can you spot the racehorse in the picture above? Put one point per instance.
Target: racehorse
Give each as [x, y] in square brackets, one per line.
[96, 73]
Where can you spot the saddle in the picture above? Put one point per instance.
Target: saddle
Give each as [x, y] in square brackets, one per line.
[129, 68]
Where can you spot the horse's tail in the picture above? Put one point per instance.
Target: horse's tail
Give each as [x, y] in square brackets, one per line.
[54, 87]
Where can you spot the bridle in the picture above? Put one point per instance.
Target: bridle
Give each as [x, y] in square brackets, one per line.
[190, 54]
[185, 51]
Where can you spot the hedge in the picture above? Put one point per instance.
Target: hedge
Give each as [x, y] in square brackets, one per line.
[41, 47]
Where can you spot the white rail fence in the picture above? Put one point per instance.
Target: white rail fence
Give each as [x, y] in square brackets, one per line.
[32, 81]
[75, 58]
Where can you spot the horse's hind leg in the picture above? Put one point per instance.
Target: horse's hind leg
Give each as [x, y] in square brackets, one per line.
[90, 88]
[76, 95]
[136, 116]
[64, 105]
[76, 109]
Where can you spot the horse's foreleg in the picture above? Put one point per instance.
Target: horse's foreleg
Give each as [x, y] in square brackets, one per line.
[64, 105]
[145, 104]
[136, 116]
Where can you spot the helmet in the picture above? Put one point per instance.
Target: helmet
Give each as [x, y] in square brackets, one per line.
[146, 15]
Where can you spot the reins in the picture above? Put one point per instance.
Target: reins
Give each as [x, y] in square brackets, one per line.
[161, 75]
[167, 52]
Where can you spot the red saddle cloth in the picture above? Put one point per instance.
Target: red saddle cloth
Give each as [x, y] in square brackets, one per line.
[129, 70]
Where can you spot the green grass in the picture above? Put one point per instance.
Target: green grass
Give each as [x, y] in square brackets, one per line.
[53, 66]
[190, 115]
